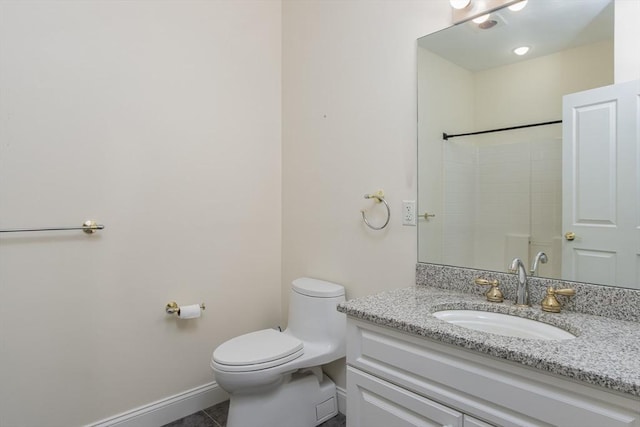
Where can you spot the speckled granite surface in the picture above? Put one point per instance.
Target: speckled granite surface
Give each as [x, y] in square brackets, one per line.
[606, 351]
[618, 303]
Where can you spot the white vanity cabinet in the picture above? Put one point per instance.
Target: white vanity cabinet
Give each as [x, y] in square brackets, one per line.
[396, 379]
[375, 402]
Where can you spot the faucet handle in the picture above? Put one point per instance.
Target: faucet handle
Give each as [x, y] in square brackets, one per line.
[485, 282]
[550, 303]
[568, 292]
[494, 294]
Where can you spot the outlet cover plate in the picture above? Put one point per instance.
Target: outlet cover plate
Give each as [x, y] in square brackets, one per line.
[409, 212]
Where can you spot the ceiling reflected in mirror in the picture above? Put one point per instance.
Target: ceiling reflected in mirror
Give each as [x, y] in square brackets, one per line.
[547, 26]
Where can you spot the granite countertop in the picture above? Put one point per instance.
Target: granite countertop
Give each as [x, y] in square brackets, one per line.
[605, 352]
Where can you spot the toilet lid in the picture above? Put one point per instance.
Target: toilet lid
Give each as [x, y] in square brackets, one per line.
[258, 347]
[317, 288]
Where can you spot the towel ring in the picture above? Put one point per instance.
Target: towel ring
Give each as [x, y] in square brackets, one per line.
[379, 196]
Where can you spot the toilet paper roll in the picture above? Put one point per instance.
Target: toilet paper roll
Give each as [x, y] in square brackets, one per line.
[189, 311]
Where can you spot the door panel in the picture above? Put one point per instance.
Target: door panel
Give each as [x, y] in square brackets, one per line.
[594, 158]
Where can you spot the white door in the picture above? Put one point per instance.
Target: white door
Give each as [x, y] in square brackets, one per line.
[601, 185]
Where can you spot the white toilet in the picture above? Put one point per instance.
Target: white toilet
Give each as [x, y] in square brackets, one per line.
[274, 378]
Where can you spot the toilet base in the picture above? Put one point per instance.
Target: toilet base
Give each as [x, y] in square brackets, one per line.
[304, 399]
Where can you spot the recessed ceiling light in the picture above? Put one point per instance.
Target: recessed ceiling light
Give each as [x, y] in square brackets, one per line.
[481, 19]
[521, 50]
[518, 6]
[459, 4]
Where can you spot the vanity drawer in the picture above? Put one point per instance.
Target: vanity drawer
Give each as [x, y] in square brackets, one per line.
[500, 392]
[376, 403]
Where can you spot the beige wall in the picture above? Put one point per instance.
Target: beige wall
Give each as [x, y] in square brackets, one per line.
[536, 86]
[161, 120]
[349, 128]
[445, 104]
[167, 114]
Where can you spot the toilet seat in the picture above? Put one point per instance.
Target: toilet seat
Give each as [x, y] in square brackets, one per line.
[257, 350]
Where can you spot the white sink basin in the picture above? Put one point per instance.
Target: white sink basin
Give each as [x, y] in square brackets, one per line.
[503, 324]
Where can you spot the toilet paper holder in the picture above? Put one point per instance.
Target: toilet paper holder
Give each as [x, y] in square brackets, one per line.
[173, 307]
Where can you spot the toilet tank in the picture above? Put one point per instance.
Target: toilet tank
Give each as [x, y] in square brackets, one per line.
[313, 317]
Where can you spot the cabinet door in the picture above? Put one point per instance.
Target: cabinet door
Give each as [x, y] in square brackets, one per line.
[474, 422]
[377, 403]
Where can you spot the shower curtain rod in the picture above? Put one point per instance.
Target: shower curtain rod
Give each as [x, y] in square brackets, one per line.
[446, 137]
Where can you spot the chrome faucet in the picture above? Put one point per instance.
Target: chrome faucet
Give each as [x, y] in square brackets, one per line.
[522, 293]
[541, 257]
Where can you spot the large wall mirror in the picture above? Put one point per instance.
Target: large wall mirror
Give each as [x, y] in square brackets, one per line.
[486, 198]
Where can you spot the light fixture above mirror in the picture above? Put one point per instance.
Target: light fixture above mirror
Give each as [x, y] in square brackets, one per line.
[459, 4]
[482, 18]
[518, 6]
[464, 10]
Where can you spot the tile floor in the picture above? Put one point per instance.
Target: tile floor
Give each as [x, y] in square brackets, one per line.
[216, 416]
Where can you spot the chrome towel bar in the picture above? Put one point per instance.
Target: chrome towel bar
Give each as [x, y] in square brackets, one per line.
[88, 227]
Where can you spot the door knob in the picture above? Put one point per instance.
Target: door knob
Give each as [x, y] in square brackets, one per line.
[570, 235]
[427, 215]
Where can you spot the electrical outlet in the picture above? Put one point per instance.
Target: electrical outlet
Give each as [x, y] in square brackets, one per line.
[408, 212]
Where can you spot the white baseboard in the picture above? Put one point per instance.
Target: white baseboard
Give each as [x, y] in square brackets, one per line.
[180, 405]
[342, 400]
[166, 410]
